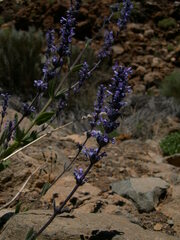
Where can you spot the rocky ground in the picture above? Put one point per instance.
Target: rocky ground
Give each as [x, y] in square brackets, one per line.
[134, 193]
[134, 186]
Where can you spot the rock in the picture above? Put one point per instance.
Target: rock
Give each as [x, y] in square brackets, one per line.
[152, 77]
[140, 37]
[158, 227]
[156, 62]
[140, 70]
[140, 88]
[170, 222]
[80, 226]
[145, 192]
[149, 33]
[136, 27]
[117, 50]
[154, 91]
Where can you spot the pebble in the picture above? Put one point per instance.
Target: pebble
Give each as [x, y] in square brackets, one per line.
[170, 222]
[158, 227]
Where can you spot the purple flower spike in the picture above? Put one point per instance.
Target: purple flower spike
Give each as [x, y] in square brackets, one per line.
[9, 126]
[125, 13]
[78, 174]
[50, 39]
[27, 109]
[119, 87]
[108, 42]
[102, 139]
[67, 32]
[40, 85]
[98, 106]
[109, 125]
[5, 104]
[93, 155]
[84, 74]
[61, 105]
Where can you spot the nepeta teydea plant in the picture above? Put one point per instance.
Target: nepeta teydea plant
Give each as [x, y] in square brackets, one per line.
[107, 107]
[58, 55]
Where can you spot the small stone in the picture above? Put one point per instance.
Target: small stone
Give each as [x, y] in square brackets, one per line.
[149, 33]
[121, 169]
[141, 70]
[135, 220]
[118, 50]
[140, 37]
[156, 62]
[158, 227]
[139, 88]
[152, 77]
[136, 27]
[170, 222]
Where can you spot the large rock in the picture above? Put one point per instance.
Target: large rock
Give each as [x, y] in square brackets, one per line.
[144, 192]
[152, 77]
[76, 227]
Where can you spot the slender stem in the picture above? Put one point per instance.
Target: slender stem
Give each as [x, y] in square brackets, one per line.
[70, 164]
[95, 66]
[73, 160]
[71, 68]
[60, 208]
[34, 236]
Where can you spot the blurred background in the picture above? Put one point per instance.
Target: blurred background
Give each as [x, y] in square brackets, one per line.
[150, 45]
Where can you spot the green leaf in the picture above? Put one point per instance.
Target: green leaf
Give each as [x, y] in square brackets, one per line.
[45, 188]
[10, 150]
[52, 88]
[3, 136]
[30, 234]
[113, 134]
[20, 134]
[4, 165]
[44, 117]
[30, 137]
[18, 207]
[77, 67]
[60, 93]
